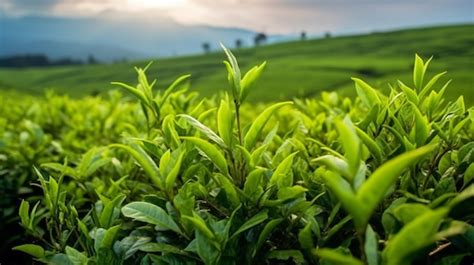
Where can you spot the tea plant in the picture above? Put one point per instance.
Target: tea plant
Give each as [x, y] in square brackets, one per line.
[381, 179]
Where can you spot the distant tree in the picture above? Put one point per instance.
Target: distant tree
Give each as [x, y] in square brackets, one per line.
[206, 47]
[303, 35]
[327, 35]
[66, 61]
[92, 60]
[24, 60]
[260, 39]
[238, 43]
[35, 60]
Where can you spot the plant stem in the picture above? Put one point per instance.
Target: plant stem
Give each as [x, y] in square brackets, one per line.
[234, 164]
[360, 237]
[241, 165]
[237, 115]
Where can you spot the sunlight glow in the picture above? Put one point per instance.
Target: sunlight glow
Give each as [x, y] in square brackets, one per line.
[145, 4]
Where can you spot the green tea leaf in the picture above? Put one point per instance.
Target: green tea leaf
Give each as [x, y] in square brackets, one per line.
[134, 91]
[231, 80]
[31, 249]
[335, 164]
[53, 192]
[179, 81]
[229, 189]
[24, 213]
[253, 133]
[409, 211]
[305, 237]
[426, 90]
[207, 249]
[291, 192]
[172, 169]
[367, 94]
[256, 155]
[225, 122]
[267, 229]
[444, 186]
[254, 221]
[370, 118]
[245, 155]
[169, 132]
[204, 129]
[252, 186]
[150, 213]
[335, 257]
[90, 162]
[76, 257]
[409, 93]
[249, 80]
[83, 228]
[344, 192]
[371, 193]
[420, 233]
[211, 152]
[350, 142]
[293, 254]
[282, 175]
[422, 127]
[375, 150]
[164, 161]
[370, 246]
[107, 215]
[234, 73]
[468, 175]
[161, 247]
[419, 71]
[148, 165]
[108, 238]
[66, 170]
[200, 224]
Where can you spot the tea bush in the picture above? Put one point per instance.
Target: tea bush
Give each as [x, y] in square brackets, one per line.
[175, 179]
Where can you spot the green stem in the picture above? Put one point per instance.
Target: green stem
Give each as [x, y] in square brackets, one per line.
[79, 241]
[234, 164]
[241, 164]
[432, 167]
[237, 115]
[360, 237]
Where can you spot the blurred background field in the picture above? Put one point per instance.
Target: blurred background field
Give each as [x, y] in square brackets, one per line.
[300, 68]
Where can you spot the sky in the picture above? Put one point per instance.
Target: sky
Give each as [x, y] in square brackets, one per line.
[270, 16]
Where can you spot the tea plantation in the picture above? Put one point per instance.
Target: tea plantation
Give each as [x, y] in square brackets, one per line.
[295, 69]
[165, 176]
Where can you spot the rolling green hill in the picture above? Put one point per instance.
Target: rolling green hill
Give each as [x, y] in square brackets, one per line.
[301, 69]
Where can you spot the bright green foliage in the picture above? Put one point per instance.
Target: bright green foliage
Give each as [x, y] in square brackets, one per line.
[150, 213]
[211, 152]
[174, 179]
[259, 123]
[31, 249]
[420, 232]
[225, 122]
[145, 162]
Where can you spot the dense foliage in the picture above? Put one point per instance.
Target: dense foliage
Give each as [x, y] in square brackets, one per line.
[173, 179]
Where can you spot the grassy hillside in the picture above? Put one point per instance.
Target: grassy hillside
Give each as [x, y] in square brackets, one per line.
[294, 69]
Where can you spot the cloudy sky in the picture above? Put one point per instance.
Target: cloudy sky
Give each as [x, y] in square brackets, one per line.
[271, 16]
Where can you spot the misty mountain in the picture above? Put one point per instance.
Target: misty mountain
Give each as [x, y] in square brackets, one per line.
[110, 37]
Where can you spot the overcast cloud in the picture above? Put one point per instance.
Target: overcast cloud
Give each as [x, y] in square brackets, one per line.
[272, 16]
